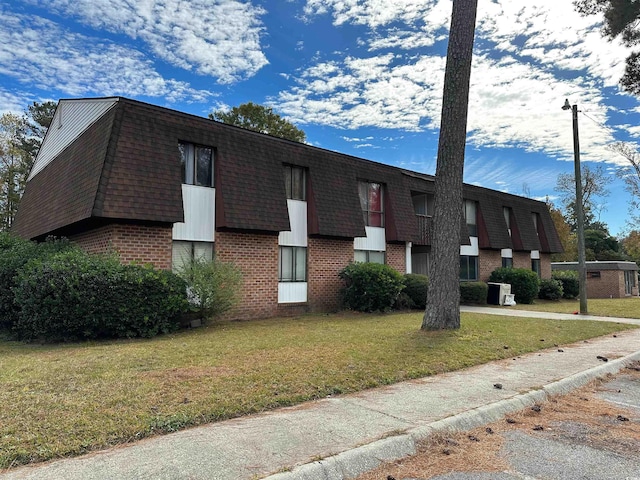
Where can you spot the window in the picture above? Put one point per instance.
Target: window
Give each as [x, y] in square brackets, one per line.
[629, 282]
[420, 263]
[470, 217]
[468, 268]
[197, 164]
[368, 256]
[593, 274]
[293, 264]
[372, 202]
[183, 252]
[295, 182]
[507, 262]
[535, 266]
[423, 204]
[506, 211]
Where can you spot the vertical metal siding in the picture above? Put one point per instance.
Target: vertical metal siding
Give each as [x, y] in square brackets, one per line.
[71, 119]
[375, 240]
[297, 236]
[199, 215]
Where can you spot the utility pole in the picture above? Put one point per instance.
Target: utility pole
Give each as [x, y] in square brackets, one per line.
[582, 265]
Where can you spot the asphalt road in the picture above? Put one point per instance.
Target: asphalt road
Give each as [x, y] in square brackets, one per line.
[591, 434]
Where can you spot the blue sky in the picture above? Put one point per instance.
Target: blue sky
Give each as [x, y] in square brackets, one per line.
[362, 77]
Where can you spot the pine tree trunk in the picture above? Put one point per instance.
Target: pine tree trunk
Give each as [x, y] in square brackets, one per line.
[443, 299]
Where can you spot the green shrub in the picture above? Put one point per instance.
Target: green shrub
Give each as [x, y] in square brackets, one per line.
[415, 287]
[15, 253]
[524, 283]
[570, 283]
[213, 286]
[76, 296]
[404, 302]
[370, 287]
[550, 289]
[473, 293]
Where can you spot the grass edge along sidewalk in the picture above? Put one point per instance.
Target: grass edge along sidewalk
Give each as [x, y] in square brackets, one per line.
[65, 400]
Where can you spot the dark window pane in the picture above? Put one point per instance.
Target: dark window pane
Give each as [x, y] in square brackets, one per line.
[301, 264]
[204, 166]
[183, 161]
[464, 267]
[295, 184]
[287, 180]
[363, 192]
[286, 264]
[473, 268]
[375, 197]
[375, 220]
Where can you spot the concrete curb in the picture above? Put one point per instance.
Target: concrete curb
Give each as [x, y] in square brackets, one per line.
[361, 459]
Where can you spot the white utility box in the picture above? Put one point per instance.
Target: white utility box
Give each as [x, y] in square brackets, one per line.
[498, 292]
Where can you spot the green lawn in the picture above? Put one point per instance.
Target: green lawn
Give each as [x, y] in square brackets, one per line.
[63, 400]
[607, 307]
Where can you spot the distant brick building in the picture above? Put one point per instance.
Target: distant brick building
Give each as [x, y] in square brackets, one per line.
[607, 279]
[158, 186]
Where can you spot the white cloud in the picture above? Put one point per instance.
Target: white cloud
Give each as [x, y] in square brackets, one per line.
[11, 102]
[552, 34]
[528, 59]
[366, 145]
[355, 139]
[495, 173]
[633, 130]
[37, 52]
[373, 13]
[218, 38]
[371, 91]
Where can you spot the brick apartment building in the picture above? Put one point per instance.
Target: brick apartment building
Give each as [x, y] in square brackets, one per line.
[158, 185]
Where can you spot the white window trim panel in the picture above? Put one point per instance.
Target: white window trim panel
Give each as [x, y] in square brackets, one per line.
[470, 250]
[297, 236]
[375, 240]
[535, 254]
[292, 292]
[506, 253]
[199, 204]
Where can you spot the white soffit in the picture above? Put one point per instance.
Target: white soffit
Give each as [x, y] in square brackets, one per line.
[71, 119]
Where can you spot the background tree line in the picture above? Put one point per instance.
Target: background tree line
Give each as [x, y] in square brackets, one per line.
[599, 243]
[20, 139]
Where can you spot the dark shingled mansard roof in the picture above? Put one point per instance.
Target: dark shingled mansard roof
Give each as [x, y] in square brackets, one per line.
[126, 167]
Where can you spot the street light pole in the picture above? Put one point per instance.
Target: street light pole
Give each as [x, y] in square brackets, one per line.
[582, 265]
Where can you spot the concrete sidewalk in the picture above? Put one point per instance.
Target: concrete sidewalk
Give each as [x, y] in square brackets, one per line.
[511, 312]
[340, 437]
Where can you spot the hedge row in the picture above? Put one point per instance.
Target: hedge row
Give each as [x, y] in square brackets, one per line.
[55, 292]
[370, 287]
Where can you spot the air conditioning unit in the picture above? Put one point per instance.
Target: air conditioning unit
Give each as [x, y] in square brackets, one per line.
[498, 293]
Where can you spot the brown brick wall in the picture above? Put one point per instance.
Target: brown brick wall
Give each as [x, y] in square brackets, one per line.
[397, 257]
[545, 265]
[257, 257]
[488, 261]
[326, 259]
[134, 243]
[609, 285]
[522, 260]
[491, 259]
[98, 240]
